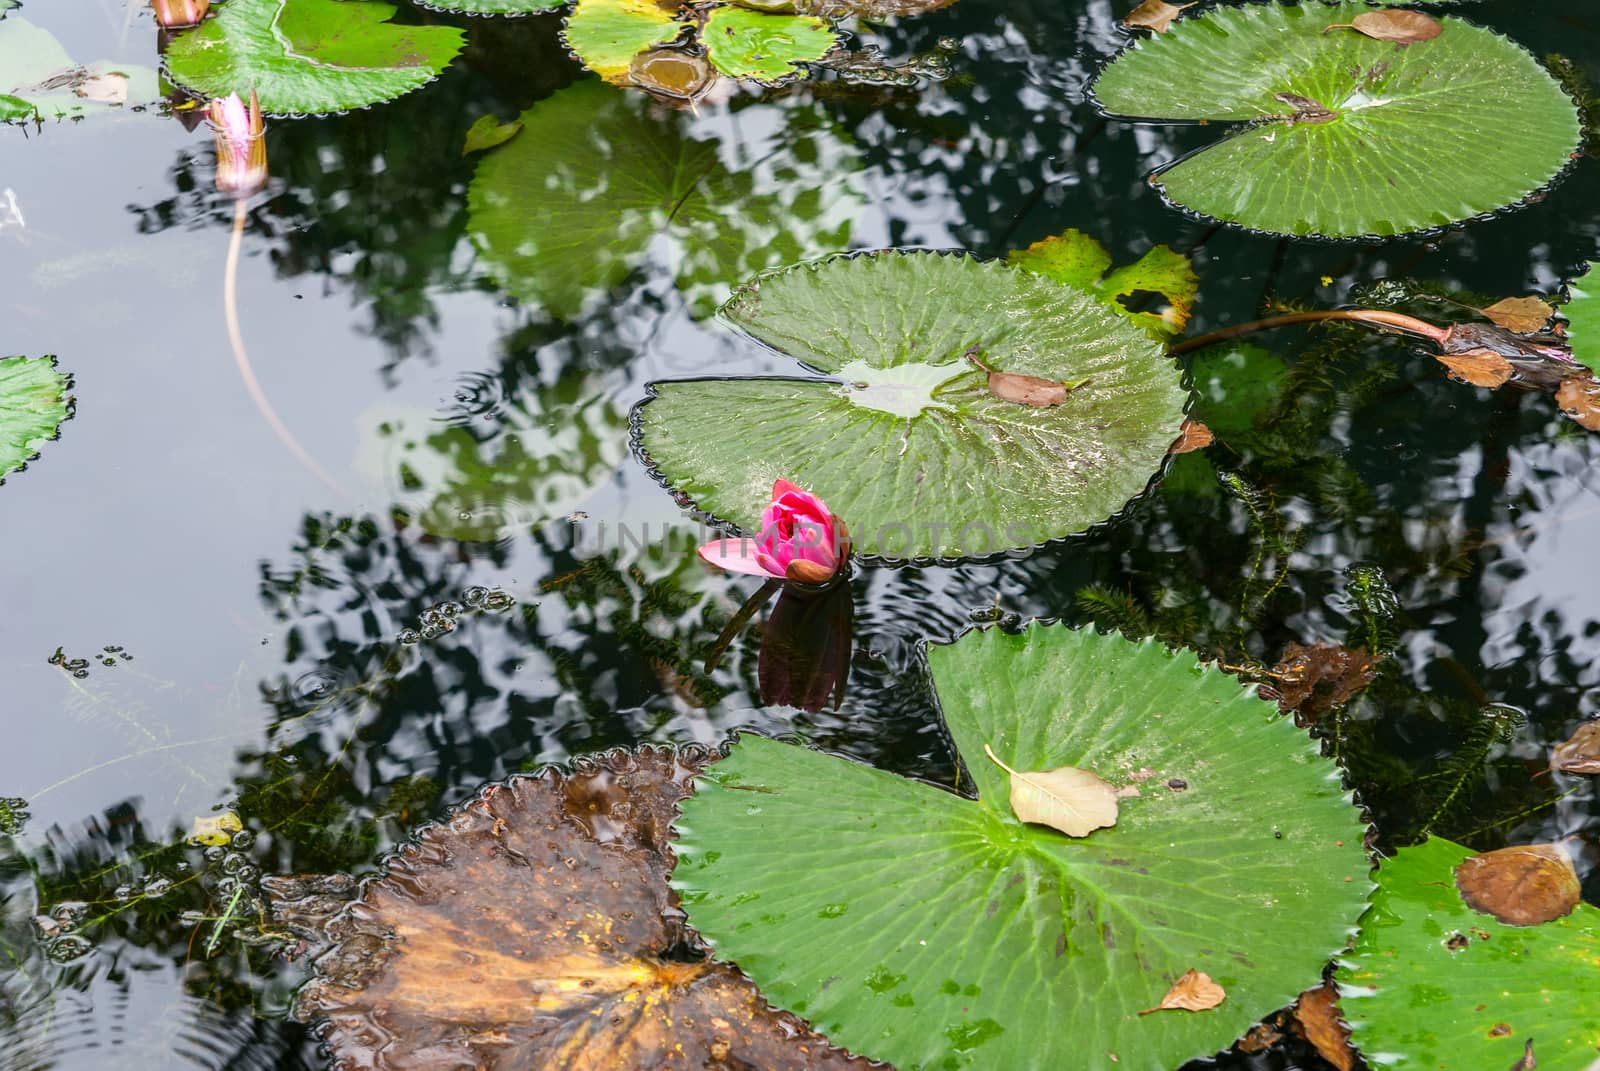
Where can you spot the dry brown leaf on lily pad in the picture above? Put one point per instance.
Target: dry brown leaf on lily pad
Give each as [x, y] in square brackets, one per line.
[1580, 754]
[1301, 673]
[1157, 15]
[1522, 315]
[1579, 398]
[1069, 799]
[1523, 885]
[1481, 368]
[1317, 1019]
[1193, 991]
[534, 928]
[1191, 437]
[1400, 26]
[1034, 391]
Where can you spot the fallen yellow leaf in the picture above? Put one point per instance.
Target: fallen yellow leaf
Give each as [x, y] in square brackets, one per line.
[1193, 991]
[1069, 799]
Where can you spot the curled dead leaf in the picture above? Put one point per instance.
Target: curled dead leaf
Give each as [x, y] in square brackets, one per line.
[1310, 681]
[1024, 390]
[1157, 15]
[1522, 315]
[1397, 25]
[1317, 1018]
[1481, 368]
[1523, 885]
[1579, 398]
[534, 928]
[1580, 754]
[1192, 436]
[1193, 991]
[1074, 801]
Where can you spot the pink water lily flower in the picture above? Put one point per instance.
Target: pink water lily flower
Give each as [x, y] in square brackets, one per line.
[241, 144]
[800, 540]
[176, 14]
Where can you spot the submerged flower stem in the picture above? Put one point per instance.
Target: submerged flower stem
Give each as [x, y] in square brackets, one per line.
[230, 306]
[1394, 321]
[740, 620]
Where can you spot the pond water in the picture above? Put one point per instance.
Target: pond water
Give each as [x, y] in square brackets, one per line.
[270, 634]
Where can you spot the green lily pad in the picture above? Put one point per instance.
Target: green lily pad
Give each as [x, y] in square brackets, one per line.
[308, 57]
[33, 403]
[570, 207]
[1433, 984]
[487, 132]
[1582, 311]
[1407, 138]
[607, 34]
[1076, 259]
[906, 443]
[765, 47]
[934, 931]
[39, 80]
[553, 448]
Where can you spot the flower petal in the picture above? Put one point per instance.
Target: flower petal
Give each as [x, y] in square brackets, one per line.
[737, 556]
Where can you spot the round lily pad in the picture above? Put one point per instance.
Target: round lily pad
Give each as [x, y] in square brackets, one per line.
[1583, 319]
[742, 43]
[309, 57]
[905, 442]
[1346, 135]
[493, 7]
[1433, 984]
[933, 930]
[38, 79]
[605, 35]
[33, 403]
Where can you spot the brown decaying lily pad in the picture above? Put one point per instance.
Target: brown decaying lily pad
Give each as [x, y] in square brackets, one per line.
[1520, 315]
[534, 928]
[1191, 437]
[1579, 398]
[1580, 754]
[1523, 885]
[1301, 673]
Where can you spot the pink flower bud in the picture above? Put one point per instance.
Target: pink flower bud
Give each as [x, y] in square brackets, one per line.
[241, 144]
[800, 540]
[176, 14]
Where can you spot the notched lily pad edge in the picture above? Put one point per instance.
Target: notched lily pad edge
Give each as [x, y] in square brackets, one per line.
[1227, 128]
[444, 8]
[701, 755]
[711, 520]
[70, 401]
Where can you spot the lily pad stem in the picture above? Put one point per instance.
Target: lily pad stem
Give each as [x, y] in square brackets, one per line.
[740, 620]
[1393, 321]
[230, 309]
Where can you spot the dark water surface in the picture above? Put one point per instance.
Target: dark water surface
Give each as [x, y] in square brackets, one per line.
[266, 613]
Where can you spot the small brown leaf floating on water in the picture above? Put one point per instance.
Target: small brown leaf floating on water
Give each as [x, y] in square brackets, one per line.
[1033, 391]
[1401, 27]
[1579, 398]
[528, 930]
[1317, 1018]
[1481, 368]
[1527, 1062]
[1156, 15]
[1581, 754]
[1521, 315]
[1066, 798]
[1191, 437]
[1300, 673]
[1523, 885]
[1194, 991]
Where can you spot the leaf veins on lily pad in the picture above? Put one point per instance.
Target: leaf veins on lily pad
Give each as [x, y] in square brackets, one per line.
[951, 933]
[533, 928]
[921, 456]
[308, 57]
[1393, 123]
